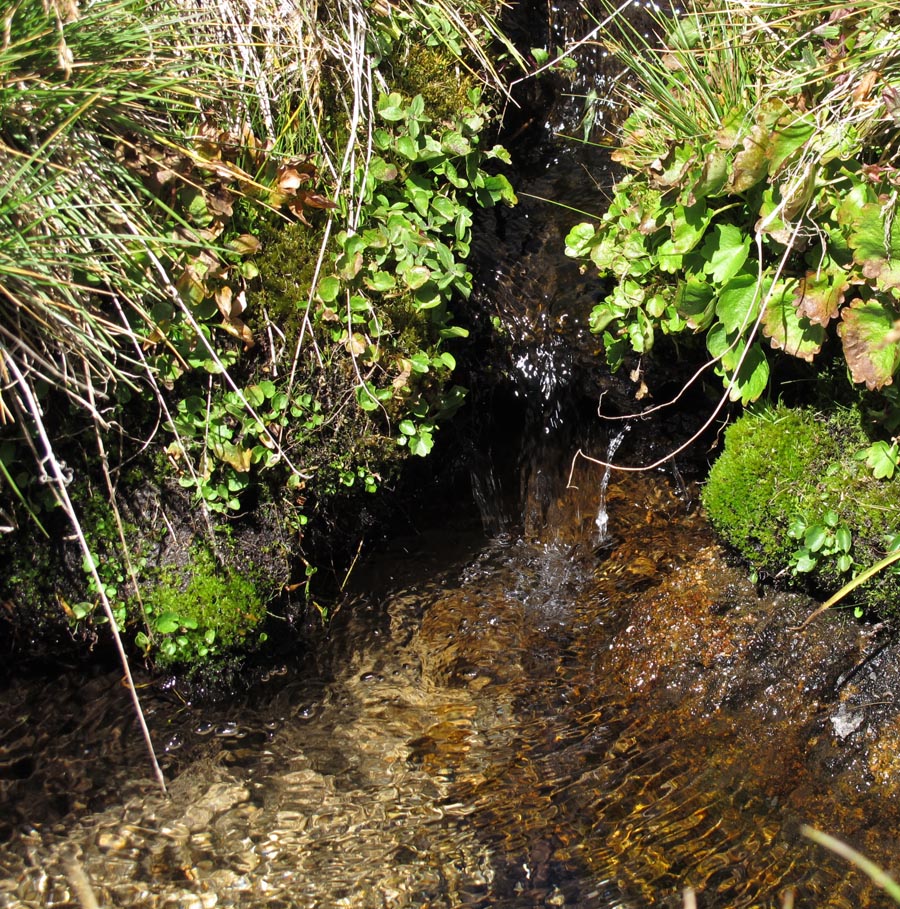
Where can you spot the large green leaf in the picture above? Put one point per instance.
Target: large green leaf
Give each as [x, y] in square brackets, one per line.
[725, 251]
[695, 302]
[750, 369]
[688, 224]
[867, 333]
[739, 300]
[579, 240]
[790, 133]
[873, 233]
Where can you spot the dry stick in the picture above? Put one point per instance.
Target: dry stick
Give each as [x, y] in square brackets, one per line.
[80, 883]
[62, 494]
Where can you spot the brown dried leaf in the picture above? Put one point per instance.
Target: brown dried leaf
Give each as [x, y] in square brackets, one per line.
[290, 179]
[220, 204]
[820, 295]
[863, 89]
[356, 344]
[238, 328]
[245, 245]
[315, 200]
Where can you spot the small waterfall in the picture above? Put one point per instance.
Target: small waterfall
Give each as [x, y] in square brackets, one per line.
[602, 519]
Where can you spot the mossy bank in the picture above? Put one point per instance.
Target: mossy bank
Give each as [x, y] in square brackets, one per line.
[791, 493]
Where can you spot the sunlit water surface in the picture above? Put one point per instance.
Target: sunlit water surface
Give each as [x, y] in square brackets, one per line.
[532, 723]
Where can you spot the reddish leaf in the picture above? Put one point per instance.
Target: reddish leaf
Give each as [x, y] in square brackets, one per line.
[290, 179]
[786, 329]
[866, 332]
[751, 163]
[315, 200]
[820, 294]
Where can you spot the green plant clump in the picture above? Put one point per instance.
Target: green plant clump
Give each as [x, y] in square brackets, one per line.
[194, 619]
[790, 495]
[759, 207]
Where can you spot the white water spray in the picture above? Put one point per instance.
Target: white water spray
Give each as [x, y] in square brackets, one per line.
[602, 519]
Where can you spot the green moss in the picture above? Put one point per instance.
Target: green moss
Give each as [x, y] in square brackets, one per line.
[286, 265]
[201, 611]
[437, 75]
[784, 469]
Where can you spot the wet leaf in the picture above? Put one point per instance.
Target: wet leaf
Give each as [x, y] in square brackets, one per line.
[865, 332]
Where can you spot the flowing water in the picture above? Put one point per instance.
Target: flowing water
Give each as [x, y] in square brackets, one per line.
[503, 722]
[602, 519]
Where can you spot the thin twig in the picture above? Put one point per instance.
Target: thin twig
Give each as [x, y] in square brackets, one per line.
[61, 491]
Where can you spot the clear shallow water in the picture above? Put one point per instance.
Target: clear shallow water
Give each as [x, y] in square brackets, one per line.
[529, 724]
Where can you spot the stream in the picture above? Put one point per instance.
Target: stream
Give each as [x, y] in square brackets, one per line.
[570, 696]
[489, 722]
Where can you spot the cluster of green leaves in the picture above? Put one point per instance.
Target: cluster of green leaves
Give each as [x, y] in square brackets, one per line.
[201, 612]
[760, 207]
[825, 539]
[788, 493]
[381, 317]
[235, 431]
[136, 228]
[409, 249]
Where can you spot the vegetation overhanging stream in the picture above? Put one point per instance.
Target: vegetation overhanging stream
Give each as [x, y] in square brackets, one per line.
[507, 708]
